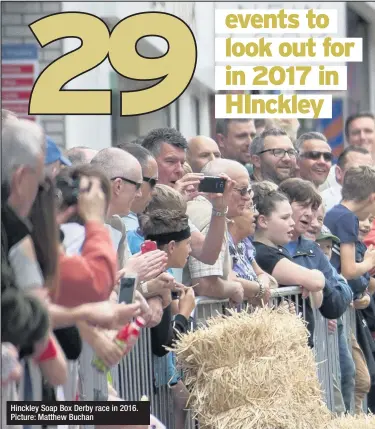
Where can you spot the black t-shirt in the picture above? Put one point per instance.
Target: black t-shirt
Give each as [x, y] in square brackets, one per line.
[267, 258]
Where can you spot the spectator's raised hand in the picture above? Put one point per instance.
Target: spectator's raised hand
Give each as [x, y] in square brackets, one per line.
[162, 282]
[109, 315]
[188, 185]
[147, 266]
[186, 303]
[91, 200]
[220, 201]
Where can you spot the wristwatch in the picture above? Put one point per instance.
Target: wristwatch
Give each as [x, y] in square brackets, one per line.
[219, 213]
[144, 288]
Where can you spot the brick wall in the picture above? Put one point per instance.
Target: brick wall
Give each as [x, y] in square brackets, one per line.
[15, 18]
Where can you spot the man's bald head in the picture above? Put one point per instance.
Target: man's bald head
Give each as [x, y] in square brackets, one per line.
[227, 166]
[81, 155]
[125, 173]
[200, 151]
[116, 162]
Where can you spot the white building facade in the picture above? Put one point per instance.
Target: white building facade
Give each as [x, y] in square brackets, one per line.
[193, 112]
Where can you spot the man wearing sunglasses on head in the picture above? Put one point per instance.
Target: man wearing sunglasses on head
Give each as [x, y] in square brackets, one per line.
[314, 157]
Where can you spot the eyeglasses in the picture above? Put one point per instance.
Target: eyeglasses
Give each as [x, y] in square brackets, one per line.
[315, 155]
[136, 184]
[151, 181]
[244, 191]
[280, 153]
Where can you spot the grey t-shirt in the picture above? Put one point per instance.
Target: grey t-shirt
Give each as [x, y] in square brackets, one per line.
[26, 268]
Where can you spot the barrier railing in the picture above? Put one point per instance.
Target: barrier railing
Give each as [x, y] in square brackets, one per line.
[135, 375]
[140, 367]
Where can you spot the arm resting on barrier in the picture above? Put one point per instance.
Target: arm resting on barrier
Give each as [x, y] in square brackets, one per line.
[91, 276]
[53, 364]
[316, 299]
[287, 272]
[337, 294]
[216, 287]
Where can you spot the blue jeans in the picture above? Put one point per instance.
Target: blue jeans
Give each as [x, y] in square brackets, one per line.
[347, 367]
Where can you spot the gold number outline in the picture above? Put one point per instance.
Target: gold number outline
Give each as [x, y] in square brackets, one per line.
[161, 56]
[109, 91]
[74, 77]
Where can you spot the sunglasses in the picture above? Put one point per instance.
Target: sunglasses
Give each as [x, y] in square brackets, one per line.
[315, 155]
[136, 184]
[244, 191]
[152, 182]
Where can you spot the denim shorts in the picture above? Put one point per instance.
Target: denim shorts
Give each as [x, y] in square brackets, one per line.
[165, 372]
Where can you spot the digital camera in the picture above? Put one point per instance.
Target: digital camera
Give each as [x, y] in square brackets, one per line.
[67, 191]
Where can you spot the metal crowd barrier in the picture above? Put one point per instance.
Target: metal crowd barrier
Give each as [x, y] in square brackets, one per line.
[93, 385]
[136, 371]
[134, 377]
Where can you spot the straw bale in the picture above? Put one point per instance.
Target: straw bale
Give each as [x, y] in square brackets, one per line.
[252, 371]
[352, 422]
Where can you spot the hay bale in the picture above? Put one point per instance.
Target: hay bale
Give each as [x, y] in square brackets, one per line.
[252, 371]
[352, 422]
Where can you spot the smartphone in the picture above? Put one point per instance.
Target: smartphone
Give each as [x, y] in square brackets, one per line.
[212, 185]
[128, 286]
[148, 246]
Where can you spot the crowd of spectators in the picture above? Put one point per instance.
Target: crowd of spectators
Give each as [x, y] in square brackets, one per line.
[75, 224]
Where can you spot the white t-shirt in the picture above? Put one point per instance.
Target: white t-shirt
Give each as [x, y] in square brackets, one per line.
[331, 197]
[74, 237]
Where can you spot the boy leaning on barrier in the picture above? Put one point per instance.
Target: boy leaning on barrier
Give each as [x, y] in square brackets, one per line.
[171, 232]
[358, 203]
[363, 347]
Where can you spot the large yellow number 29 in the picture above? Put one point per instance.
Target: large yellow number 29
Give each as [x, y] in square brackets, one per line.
[175, 68]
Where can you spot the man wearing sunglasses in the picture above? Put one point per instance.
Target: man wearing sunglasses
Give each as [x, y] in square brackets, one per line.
[314, 157]
[149, 181]
[125, 174]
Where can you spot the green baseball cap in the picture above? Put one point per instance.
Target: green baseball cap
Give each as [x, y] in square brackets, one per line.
[325, 233]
